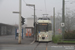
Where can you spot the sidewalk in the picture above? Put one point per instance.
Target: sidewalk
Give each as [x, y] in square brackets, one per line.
[10, 39]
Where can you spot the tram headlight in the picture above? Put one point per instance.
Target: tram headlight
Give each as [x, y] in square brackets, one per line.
[46, 35]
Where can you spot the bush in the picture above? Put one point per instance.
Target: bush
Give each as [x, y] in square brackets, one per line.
[69, 35]
[56, 38]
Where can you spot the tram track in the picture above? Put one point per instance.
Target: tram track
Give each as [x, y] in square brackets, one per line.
[36, 46]
[46, 44]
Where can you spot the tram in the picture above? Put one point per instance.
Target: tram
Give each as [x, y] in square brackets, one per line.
[44, 30]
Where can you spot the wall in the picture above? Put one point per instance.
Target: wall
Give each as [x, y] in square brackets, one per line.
[6, 29]
[30, 22]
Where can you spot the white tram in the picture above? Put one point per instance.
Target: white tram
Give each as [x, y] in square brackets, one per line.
[44, 30]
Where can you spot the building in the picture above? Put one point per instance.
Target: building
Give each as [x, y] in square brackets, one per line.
[6, 29]
[30, 22]
[30, 27]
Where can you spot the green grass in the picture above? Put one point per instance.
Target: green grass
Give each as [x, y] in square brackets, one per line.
[68, 41]
[58, 38]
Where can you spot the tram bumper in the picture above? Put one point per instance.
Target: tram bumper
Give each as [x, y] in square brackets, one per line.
[43, 39]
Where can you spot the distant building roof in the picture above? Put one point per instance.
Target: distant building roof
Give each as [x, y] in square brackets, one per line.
[2, 24]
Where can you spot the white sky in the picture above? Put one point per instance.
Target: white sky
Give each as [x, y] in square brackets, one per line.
[8, 6]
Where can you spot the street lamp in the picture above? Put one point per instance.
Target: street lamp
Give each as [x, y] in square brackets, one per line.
[30, 5]
[16, 12]
[34, 10]
[34, 17]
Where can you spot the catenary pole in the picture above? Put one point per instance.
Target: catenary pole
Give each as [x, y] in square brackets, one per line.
[53, 21]
[63, 17]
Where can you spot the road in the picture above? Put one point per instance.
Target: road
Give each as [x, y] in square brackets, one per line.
[26, 45]
[10, 39]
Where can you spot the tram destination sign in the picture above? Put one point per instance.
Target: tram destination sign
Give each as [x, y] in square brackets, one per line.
[42, 24]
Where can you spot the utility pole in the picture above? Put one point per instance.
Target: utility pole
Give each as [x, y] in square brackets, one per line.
[54, 22]
[34, 15]
[34, 25]
[63, 18]
[20, 28]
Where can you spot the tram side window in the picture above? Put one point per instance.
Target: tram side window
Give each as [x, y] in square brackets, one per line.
[49, 26]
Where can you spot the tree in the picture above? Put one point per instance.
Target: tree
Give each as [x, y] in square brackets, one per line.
[69, 21]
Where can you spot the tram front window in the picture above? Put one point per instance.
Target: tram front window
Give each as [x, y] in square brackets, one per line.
[43, 27]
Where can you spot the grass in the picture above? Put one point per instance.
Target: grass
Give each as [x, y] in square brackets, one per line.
[68, 41]
[58, 39]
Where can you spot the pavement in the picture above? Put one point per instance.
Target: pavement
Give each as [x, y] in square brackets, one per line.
[10, 39]
[41, 46]
[10, 43]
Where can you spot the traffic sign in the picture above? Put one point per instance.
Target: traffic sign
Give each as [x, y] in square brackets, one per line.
[62, 24]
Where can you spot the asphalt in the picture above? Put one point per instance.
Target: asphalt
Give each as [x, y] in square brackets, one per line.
[10, 39]
[41, 46]
[10, 43]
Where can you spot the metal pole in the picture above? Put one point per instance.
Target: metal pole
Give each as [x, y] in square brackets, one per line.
[19, 38]
[34, 23]
[34, 13]
[63, 18]
[53, 21]
[22, 33]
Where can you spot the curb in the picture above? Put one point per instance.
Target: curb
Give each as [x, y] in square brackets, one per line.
[65, 43]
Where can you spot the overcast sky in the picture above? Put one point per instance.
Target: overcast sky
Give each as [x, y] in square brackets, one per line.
[8, 6]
